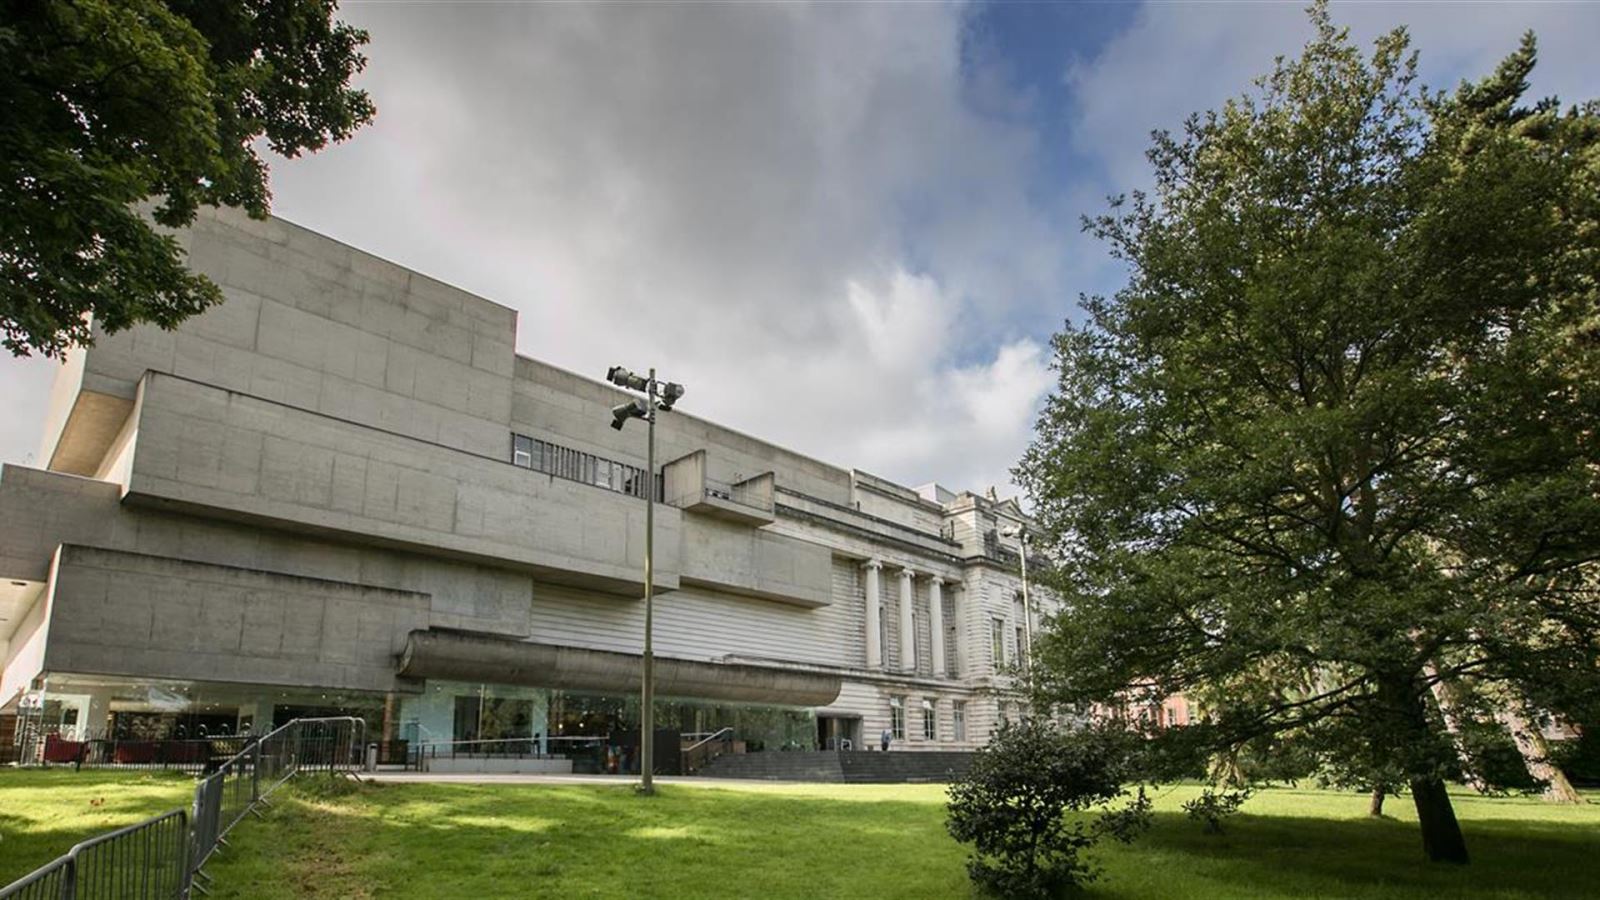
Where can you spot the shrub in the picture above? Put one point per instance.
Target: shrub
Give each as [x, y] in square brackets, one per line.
[1212, 806]
[1021, 802]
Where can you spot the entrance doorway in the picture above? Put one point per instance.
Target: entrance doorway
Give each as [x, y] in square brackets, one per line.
[838, 732]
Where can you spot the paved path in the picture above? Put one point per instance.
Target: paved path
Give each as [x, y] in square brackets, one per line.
[501, 778]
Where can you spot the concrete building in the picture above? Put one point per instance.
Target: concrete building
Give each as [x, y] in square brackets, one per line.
[342, 489]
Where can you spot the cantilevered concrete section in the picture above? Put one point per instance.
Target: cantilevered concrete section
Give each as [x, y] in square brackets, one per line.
[343, 489]
[481, 658]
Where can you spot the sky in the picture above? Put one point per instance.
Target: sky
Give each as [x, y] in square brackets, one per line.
[850, 229]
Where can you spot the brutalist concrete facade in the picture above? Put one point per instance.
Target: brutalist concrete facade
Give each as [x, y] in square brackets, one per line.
[343, 479]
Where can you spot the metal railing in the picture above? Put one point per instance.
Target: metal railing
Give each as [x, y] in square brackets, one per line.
[143, 861]
[697, 755]
[331, 744]
[498, 748]
[201, 755]
[163, 857]
[742, 494]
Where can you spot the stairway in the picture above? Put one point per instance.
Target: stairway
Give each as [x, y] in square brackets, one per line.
[894, 768]
[793, 765]
[850, 766]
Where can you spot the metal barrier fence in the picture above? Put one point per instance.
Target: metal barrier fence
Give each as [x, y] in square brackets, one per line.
[230, 793]
[162, 857]
[140, 862]
[421, 752]
[200, 755]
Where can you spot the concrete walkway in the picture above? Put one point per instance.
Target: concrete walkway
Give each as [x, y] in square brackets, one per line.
[498, 778]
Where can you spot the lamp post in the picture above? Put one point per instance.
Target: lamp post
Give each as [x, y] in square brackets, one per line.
[1021, 534]
[658, 396]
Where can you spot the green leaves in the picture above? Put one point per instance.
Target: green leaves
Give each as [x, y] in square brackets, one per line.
[1020, 806]
[1335, 439]
[109, 105]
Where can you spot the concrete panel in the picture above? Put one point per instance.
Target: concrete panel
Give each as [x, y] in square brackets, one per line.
[461, 657]
[737, 558]
[116, 613]
[371, 486]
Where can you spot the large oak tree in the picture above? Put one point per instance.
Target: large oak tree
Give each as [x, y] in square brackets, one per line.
[1335, 441]
[109, 105]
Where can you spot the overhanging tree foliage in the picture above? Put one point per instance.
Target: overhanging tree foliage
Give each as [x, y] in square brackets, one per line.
[105, 104]
[1335, 441]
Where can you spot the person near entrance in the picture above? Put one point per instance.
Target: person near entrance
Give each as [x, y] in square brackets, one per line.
[887, 737]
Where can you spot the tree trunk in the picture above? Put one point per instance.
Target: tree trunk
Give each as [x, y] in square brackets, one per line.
[1444, 695]
[1441, 833]
[1535, 752]
[1376, 808]
[1225, 771]
[1409, 735]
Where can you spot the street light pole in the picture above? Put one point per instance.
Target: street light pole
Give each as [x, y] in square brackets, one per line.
[1027, 605]
[1021, 534]
[659, 397]
[647, 717]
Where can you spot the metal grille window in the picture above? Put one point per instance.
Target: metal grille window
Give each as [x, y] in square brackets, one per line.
[897, 717]
[575, 465]
[930, 721]
[958, 719]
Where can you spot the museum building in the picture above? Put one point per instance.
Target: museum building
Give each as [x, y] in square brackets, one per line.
[342, 491]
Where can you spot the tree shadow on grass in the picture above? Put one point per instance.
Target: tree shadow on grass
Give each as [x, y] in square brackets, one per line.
[1301, 857]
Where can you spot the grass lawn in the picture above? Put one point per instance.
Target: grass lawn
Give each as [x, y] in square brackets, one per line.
[43, 812]
[824, 841]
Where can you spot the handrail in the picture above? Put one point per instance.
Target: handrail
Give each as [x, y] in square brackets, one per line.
[695, 757]
[515, 740]
[709, 738]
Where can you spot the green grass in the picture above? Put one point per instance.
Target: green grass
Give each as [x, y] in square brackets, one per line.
[824, 841]
[43, 812]
[334, 839]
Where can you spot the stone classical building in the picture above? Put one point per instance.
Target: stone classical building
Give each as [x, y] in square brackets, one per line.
[342, 489]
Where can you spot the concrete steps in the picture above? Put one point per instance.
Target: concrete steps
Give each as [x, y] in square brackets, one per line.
[854, 767]
[777, 766]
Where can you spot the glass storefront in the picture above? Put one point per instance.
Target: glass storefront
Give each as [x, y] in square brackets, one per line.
[598, 731]
[88, 706]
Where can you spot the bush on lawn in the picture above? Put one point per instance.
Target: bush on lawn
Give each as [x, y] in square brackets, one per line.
[1212, 806]
[1021, 806]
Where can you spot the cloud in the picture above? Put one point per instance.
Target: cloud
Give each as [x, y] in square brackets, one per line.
[833, 222]
[798, 211]
[801, 212]
[1175, 59]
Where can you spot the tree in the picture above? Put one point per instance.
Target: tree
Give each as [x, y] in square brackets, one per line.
[1333, 442]
[1021, 805]
[108, 105]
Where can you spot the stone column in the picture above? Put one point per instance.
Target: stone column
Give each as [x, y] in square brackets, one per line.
[874, 616]
[97, 716]
[908, 624]
[962, 664]
[936, 624]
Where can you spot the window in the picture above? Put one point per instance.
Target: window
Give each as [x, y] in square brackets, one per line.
[897, 717]
[1004, 712]
[564, 462]
[997, 641]
[930, 721]
[1022, 648]
[482, 718]
[958, 719]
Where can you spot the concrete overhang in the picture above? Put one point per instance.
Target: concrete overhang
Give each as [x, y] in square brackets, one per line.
[472, 657]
